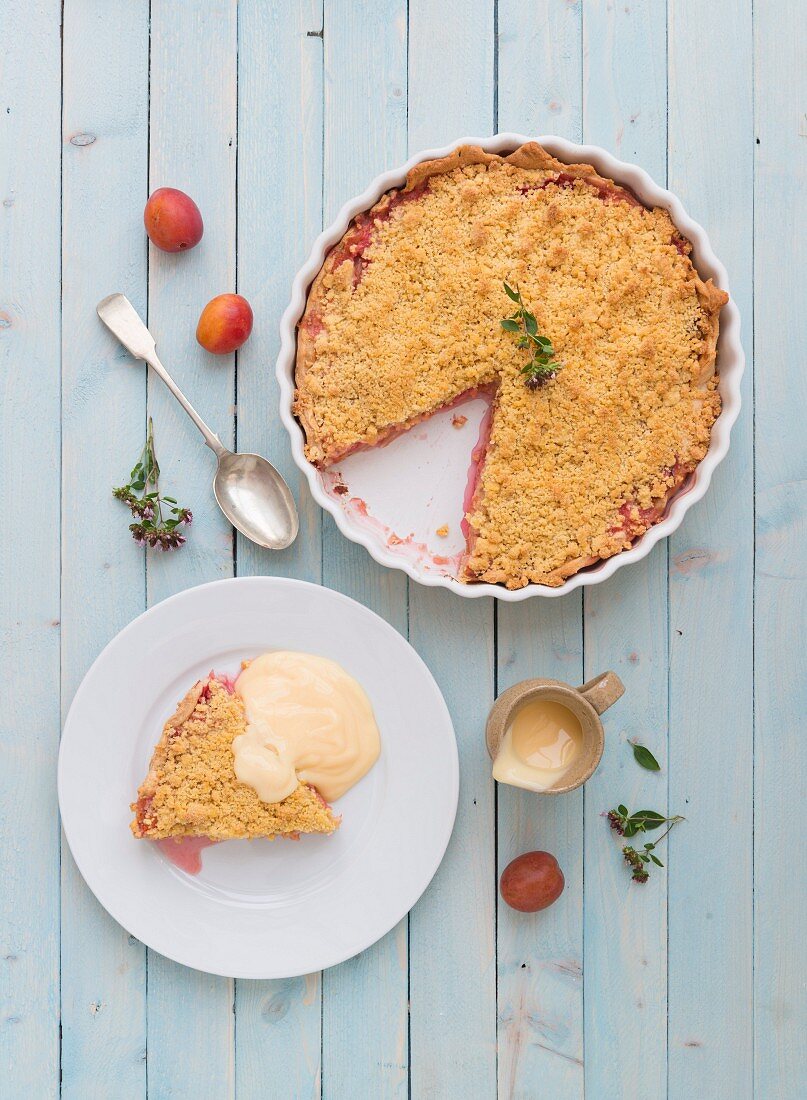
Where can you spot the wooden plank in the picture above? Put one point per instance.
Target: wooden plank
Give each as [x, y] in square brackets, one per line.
[365, 1017]
[540, 957]
[105, 176]
[279, 215]
[625, 628]
[278, 1032]
[540, 988]
[710, 740]
[29, 558]
[452, 928]
[540, 67]
[780, 933]
[193, 147]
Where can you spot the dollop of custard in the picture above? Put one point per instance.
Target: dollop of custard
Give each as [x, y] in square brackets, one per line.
[307, 721]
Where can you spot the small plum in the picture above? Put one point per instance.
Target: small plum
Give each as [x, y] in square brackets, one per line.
[225, 324]
[532, 882]
[172, 220]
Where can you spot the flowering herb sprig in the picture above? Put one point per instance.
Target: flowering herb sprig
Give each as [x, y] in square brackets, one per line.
[643, 821]
[541, 365]
[152, 527]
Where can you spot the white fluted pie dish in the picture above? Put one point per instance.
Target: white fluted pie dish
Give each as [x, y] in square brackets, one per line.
[404, 501]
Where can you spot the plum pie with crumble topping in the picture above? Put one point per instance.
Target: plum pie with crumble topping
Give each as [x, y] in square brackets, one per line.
[404, 319]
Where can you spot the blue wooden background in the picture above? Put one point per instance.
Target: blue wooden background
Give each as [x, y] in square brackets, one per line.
[271, 113]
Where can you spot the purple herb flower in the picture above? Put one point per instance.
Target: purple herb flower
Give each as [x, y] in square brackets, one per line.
[142, 497]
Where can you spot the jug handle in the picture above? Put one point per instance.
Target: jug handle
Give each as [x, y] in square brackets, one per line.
[603, 691]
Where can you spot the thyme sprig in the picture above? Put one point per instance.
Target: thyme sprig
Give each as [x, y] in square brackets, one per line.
[642, 821]
[541, 365]
[142, 496]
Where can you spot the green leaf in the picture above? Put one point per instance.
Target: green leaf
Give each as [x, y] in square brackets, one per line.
[138, 485]
[657, 861]
[648, 820]
[541, 366]
[171, 500]
[644, 758]
[622, 810]
[630, 828]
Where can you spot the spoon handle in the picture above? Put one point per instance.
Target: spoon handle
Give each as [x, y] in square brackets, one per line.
[122, 319]
[210, 437]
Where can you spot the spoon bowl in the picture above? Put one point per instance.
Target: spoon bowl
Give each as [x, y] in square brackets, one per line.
[256, 500]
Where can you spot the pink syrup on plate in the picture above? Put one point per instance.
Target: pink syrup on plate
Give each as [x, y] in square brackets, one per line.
[185, 852]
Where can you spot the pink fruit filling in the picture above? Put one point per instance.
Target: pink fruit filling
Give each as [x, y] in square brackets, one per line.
[635, 520]
[360, 235]
[226, 682]
[313, 323]
[475, 469]
[185, 852]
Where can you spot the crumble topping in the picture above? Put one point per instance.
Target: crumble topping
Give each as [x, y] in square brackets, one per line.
[192, 790]
[575, 470]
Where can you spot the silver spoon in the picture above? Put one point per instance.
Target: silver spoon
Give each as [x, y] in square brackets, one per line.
[248, 489]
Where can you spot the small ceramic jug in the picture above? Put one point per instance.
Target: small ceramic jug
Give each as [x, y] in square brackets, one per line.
[587, 703]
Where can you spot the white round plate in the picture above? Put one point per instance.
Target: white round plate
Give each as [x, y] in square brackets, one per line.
[259, 909]
[399, 495]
